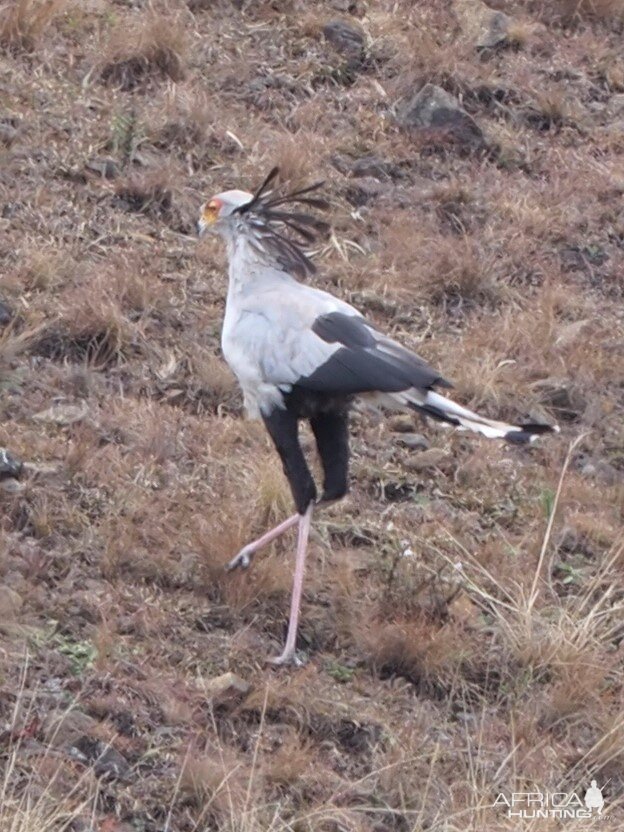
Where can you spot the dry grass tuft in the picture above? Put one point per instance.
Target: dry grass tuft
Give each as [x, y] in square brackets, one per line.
[22, 22]
[573, 12]
[154, 46]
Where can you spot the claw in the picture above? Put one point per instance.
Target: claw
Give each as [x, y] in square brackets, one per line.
[241, 561]
[287, 658]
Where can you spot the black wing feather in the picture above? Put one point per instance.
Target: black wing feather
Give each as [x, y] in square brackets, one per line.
[361, 365]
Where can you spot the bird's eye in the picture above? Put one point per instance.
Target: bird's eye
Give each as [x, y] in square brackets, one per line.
[211, 211]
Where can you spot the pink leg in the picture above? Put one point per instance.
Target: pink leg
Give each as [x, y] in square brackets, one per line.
[289, 656]
[243, 558]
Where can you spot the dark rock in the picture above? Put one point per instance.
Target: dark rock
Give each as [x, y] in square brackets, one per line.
[10, 466]
[345, 37]
[433, 110]
[363, 191]
[6, 314]
[105, 760]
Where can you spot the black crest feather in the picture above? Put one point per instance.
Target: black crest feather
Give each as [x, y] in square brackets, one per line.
[268, 216]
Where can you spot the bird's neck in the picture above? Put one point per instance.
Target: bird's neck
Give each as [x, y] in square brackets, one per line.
[249, 271]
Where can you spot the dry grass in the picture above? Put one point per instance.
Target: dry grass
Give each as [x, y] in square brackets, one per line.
[462, 608]
[574, 12]
[22, 22]
[155, 45]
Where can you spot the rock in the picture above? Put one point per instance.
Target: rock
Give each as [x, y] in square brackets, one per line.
[10, 466]
[373, 166]
[432, 458]
[401, 424]
[10, 603]
[615, 107]
[561, 396]
[63, 728]
[6, 314]
[105, 168]
[106, 761]
[8, 134]
[345, 37]
[226, 689]
[434, 110]
[12, 486]
[414, 441]
[63, 414]
[369, 165]
[363, 191]
[603, 472]
[481, 25]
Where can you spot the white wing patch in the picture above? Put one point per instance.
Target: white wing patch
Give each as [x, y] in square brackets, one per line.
[269, 343]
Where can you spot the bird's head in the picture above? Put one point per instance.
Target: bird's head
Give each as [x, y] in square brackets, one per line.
[214, 214]
[267, 219]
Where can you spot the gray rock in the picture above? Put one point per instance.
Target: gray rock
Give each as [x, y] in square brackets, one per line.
[414, 441]
[345, 37]
[373, 166]
[434, 110]
[106, 168]
[562, 397]
[482, 25]
[615, 107]
[8, 134]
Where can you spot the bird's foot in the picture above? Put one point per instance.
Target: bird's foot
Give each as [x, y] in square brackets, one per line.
[242, 560]
[288, 657]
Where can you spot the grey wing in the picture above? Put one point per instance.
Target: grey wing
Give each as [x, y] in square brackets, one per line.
[341, 353]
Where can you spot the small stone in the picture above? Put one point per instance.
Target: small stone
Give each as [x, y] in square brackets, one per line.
[401, 424]
[10, 466]
[10, 603]
[226, 689]
[8, 134]
[373, 166]
[105, 168]
[345, 37]
[63, 414]
[436, 111]
[414, 441]
[11, 486]
[432, 458]
[6, 314]
[615, 107]
[363, 191]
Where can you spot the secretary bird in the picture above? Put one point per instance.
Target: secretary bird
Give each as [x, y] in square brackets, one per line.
[300, 353]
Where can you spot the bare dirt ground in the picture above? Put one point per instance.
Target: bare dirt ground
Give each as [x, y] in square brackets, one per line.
[463, 608]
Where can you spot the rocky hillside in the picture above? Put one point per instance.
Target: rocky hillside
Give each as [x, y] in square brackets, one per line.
[462, 617]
